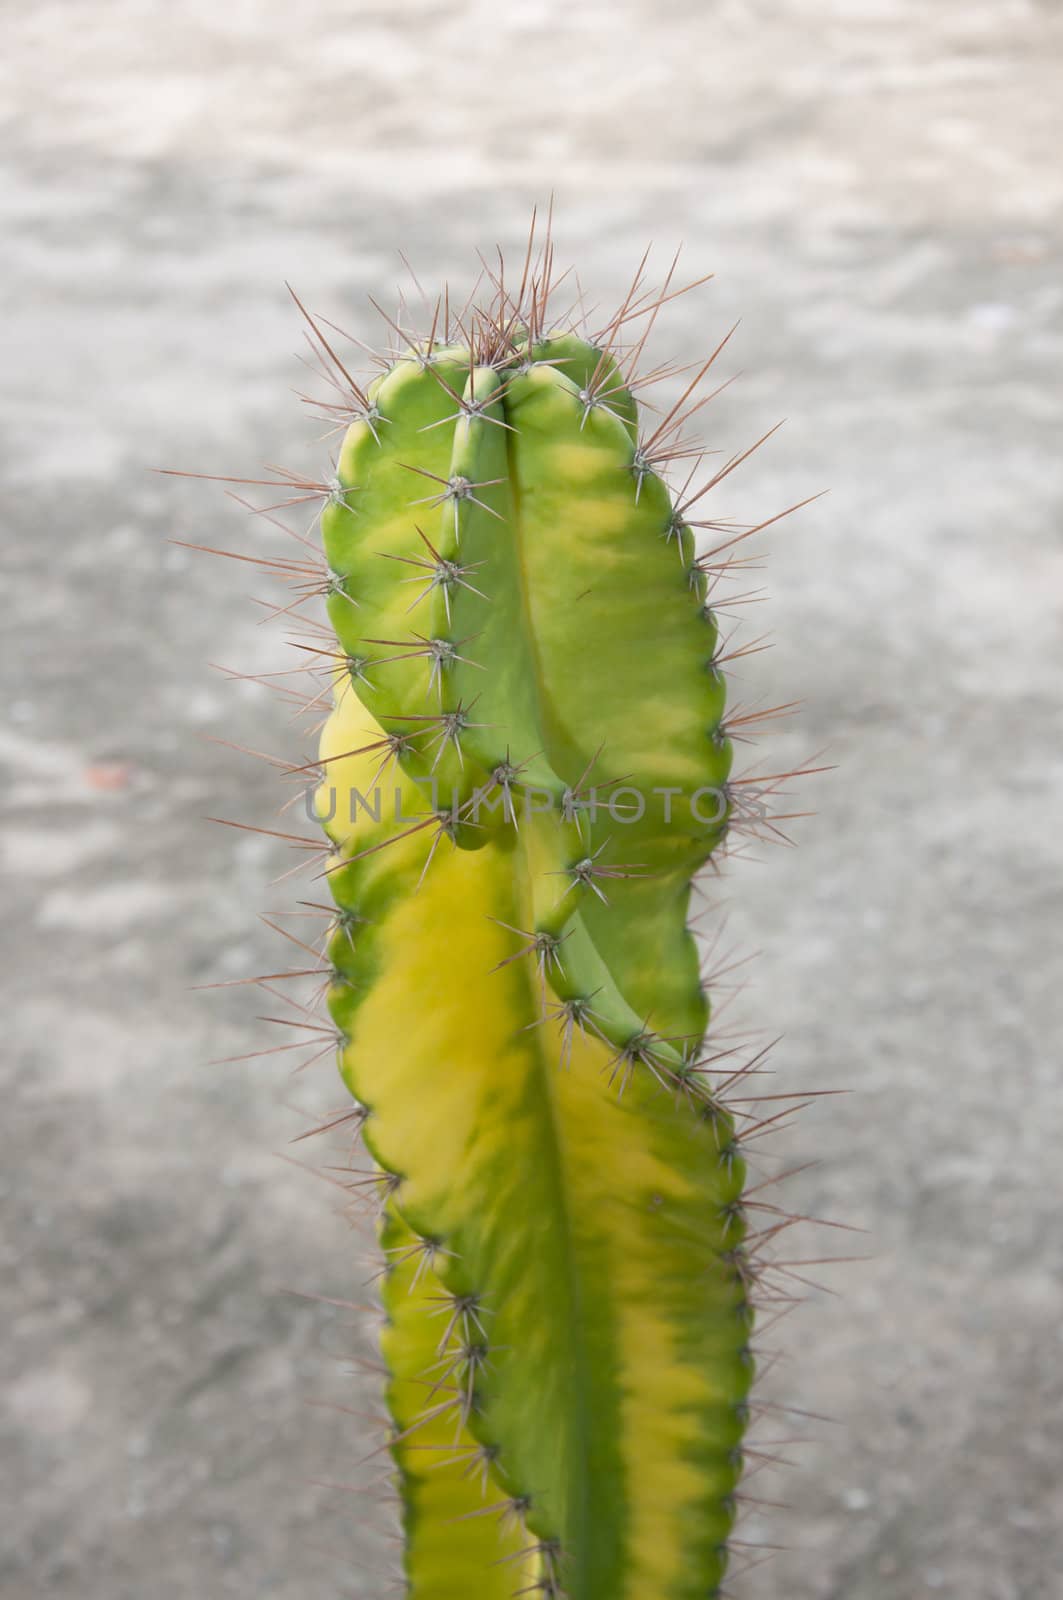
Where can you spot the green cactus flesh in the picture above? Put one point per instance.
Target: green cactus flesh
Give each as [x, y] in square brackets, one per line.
[524, 768]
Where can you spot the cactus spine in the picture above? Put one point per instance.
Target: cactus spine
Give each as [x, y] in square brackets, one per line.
[525, 766]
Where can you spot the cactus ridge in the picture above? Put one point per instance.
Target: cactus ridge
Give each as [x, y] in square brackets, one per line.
[525, 766]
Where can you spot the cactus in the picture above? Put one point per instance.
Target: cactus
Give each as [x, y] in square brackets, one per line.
[526, 765]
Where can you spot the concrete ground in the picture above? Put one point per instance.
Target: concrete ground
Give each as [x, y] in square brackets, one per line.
[877, 186]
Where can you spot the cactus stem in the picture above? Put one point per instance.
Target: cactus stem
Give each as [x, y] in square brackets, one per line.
[632, 1456]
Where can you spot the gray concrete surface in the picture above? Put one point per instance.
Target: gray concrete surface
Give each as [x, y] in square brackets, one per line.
[877, 185]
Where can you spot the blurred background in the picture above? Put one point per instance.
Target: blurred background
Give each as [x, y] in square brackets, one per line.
[876, 185]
